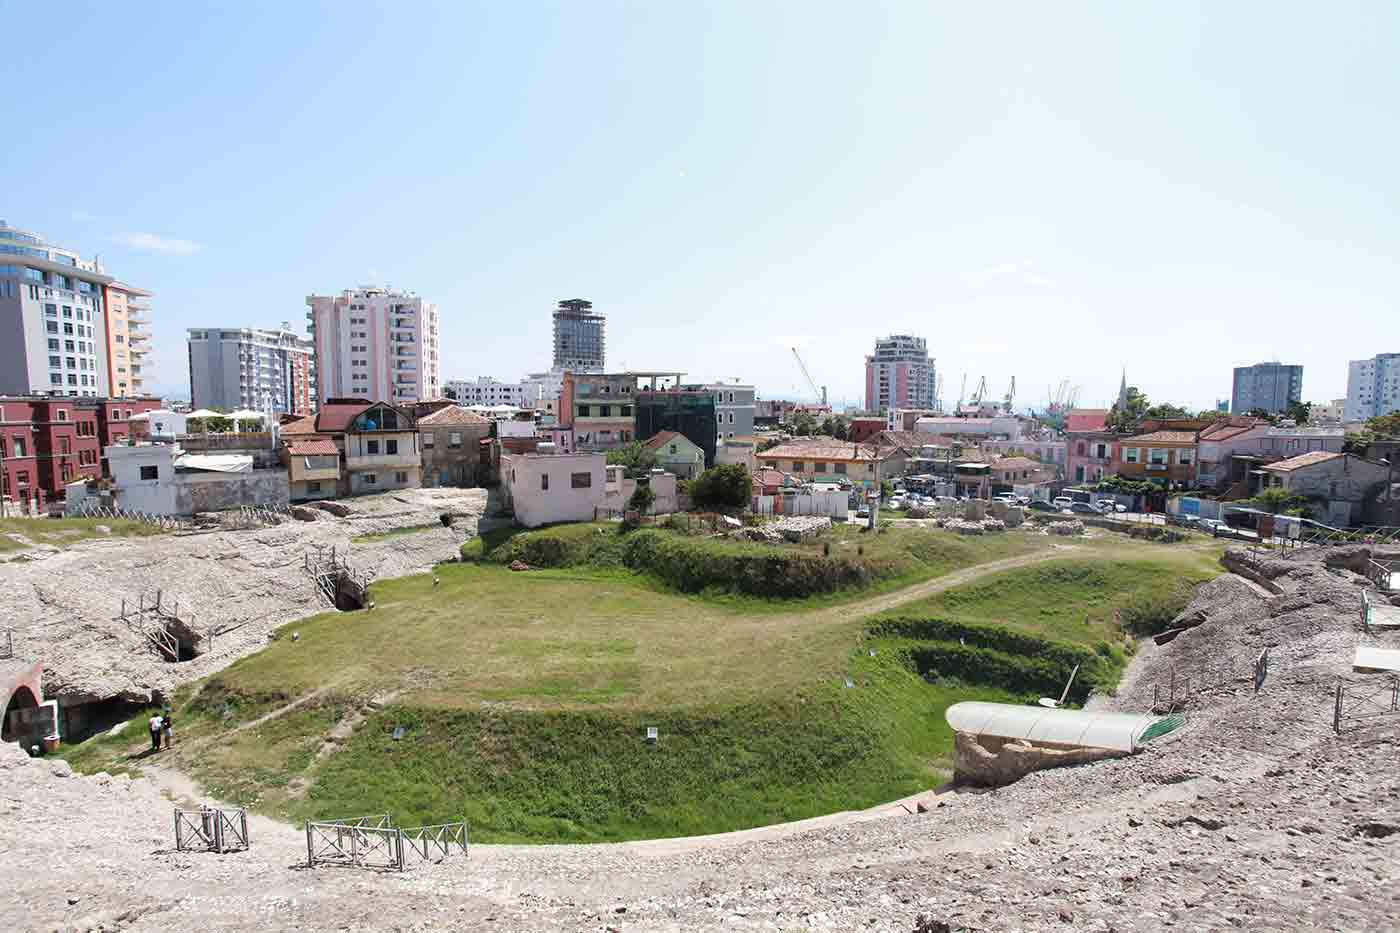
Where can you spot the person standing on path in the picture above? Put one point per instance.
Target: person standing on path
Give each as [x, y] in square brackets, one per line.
[156, 723]
[166, 724]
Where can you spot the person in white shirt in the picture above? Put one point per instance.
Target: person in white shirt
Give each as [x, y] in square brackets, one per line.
[156, 723]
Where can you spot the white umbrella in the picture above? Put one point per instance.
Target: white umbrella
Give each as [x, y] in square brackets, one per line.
[243, 414]
[204, 413]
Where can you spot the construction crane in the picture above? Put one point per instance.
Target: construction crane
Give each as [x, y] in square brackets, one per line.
[938, 392]
[1010, 395]
[810, 381]
[981, 391]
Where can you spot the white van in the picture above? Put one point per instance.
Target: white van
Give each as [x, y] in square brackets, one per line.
[1062, 502]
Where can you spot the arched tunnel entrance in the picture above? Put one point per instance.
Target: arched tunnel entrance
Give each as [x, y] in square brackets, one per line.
[15, 726]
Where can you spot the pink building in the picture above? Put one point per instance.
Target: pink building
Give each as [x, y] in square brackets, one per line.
[899, 374]
[1091, 450]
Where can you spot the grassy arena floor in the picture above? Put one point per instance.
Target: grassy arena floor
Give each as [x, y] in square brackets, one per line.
[524, 698]
[64, 532]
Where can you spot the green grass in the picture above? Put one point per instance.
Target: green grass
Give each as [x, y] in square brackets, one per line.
[525, 696]
[393, 533]
[64, 532]
[842, 565]
[1069, 600]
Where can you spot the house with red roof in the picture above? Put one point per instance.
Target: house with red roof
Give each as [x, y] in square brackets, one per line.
[450, 437]
[377, 449]
[1091, 449]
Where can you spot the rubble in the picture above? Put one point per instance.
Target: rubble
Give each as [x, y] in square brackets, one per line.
[791, 528]
[1074, 527]
[64, 609]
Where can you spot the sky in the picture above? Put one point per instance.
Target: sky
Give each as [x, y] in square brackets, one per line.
[1043, 191]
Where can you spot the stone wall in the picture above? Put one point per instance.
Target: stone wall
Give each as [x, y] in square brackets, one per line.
[989, 761]
[214, 492]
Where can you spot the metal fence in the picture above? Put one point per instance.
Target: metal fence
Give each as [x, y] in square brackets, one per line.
[1378, 613]
[1182, 684]
[213, 829]
[164, 522]
[375, 842]
[1356, 705]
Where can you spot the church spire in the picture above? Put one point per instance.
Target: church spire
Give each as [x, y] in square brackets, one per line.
[1123, 391]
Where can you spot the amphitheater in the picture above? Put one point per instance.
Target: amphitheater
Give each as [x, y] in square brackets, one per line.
[1266, 810]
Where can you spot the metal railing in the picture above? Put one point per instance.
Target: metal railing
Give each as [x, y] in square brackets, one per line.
[1181, 685]
[1356, 705]
[374, 842]
[213, 829]
[164, 522]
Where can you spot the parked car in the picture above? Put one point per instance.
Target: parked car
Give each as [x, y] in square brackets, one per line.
[895, 503]
[1083, 508]
[1062, 502]
[1040, 505]
[1119, 507]
[1103, 506]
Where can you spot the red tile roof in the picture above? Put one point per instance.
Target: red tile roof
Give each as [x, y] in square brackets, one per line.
[1016, 463]
[661, 439]
[1163, 437]
[312, 447]
[1086, 419]
[826, 449]
[1222, 429]
[305, 425]
[1312, 458]
[336, 416]
[453, 414]
[767, 476]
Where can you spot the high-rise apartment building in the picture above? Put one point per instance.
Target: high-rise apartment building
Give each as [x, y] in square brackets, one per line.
[1270, 387]
[579, 342]
[247, 367]
[899, 374]
[128, 339]
[54, 336]
[1373, 387]
[375, 343]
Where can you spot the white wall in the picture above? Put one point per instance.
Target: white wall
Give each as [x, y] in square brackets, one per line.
[561, 502]
[157, 496]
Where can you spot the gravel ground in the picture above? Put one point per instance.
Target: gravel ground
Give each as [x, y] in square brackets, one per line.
[1255, 815]
[63, 605]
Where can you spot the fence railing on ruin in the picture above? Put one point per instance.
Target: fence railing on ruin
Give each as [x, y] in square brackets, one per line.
[1184, 682]
[1359, 704]
[375, 842]
[329, 569]
[163, 522]
[153, 617]
[256, 516]
[1313, 538]
[1377, 613]
[215, 829]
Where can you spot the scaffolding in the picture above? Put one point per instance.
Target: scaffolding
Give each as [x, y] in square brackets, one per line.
[341, 585]
[161, 626]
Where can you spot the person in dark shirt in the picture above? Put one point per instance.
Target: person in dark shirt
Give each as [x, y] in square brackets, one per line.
[166, 724]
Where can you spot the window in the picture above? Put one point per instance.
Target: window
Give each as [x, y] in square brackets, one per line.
[68, 329]
[67, 311]
[604, 411]
[371, 479]
[731, 415]
[544, 481]
[1130, 455]
[626, 411]
[391, 446]
[427, 438]
[65, 446]
[1184, 457]
[770, 464]
[51, 310]
[53, 343]
[371, 447]
[673, 448]
[583, 411]
[798, 466]
[54, 361]
[63, 414]
[581, 480]
[1157, 456]
[454, 439]
[150, 472]
[819, 467]
[19, 446]
[1081, 448]
[313, 487]
[56, 379]
[21, 478]
[841, 468]
[401, 478]
[51, 326]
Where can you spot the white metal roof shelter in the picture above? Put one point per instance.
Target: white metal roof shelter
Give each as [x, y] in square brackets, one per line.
[1120, 731]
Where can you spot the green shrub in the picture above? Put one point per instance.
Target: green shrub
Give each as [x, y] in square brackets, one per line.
[1148, 614]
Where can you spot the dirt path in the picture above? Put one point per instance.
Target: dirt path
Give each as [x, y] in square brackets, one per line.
[928, 588]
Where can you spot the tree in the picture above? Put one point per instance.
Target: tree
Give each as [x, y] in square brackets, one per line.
[636, 457]
[1300, 412]
[835, 426]
[1126, 419]
[803, 424]
[1277, 500]
[1265, 415]
[1210, 414]
[725, 486]
[1385, 425]
[642, 499]
[1166, 411]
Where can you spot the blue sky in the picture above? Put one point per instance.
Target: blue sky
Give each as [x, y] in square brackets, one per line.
[1049, 191]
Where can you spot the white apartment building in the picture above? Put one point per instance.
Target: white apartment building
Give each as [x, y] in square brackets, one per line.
[248, 367]
[1373, 387]
[487, 391]
[375, 343]
[53, 329]
[545, 389]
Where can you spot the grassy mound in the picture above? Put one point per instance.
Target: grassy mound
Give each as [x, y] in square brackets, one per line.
[844, 559]
[64, 532]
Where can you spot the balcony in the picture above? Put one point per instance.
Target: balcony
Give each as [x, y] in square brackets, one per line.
[383, 461]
